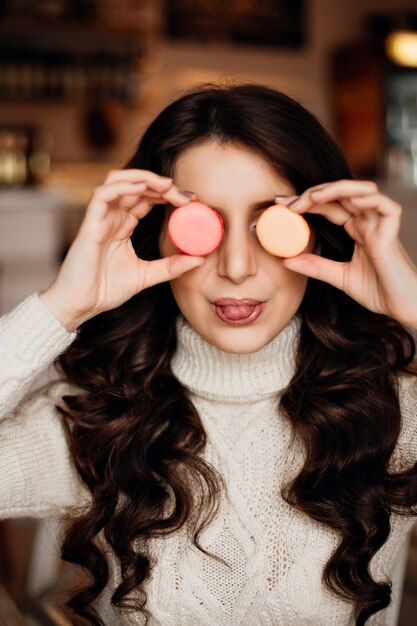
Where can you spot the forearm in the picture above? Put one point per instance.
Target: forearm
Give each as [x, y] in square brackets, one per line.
[30, 340]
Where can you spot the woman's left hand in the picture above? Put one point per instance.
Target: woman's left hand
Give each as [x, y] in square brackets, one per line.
[380, 276]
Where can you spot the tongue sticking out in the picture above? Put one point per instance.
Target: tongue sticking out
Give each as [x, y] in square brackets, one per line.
[237, 312]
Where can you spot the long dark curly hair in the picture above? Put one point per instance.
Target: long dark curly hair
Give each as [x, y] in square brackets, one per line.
[137, 440]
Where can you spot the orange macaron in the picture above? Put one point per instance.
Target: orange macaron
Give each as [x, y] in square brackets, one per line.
[282, 232]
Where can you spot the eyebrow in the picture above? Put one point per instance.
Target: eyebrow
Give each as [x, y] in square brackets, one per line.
[264, 204]
[257, 206]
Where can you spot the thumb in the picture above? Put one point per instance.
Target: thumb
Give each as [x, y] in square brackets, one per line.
[168, 268]
[316, 266]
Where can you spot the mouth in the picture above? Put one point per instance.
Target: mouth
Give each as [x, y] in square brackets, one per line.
[238, 312]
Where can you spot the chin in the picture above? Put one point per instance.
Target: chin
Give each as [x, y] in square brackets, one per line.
[241, 341]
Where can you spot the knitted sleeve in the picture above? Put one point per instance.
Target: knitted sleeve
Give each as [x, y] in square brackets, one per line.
[37, 477]
[405, 453]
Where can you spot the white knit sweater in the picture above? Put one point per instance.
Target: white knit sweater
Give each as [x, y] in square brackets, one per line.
[276, 554]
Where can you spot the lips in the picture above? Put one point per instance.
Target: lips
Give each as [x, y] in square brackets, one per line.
[238, 312]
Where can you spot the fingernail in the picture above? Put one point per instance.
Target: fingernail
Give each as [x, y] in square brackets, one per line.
[189, 194]
[167, 178]
[294, 203]
[283, 199]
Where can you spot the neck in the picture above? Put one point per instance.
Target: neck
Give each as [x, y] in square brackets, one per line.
[209, 372]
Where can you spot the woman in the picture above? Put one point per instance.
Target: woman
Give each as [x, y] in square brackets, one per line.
[233, 438]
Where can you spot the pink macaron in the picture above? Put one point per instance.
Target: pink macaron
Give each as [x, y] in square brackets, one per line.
[195, 229]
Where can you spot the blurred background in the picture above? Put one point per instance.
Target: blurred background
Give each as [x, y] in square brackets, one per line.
[79, 82]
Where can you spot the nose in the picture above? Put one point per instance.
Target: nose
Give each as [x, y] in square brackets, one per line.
[237, 254]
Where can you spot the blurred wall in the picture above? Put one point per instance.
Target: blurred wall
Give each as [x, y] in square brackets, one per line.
[174, 66]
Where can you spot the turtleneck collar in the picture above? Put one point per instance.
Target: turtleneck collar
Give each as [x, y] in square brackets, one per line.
[211, 373]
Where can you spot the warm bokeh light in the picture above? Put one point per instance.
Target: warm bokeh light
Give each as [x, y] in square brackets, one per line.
[401, 47]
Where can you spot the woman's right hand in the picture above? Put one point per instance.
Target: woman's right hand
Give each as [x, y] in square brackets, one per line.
[101, 269]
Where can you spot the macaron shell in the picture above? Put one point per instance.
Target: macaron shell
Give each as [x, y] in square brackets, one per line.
[282, 232]
[195, 229]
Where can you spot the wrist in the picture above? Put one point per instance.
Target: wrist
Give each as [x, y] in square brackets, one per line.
[66, 316]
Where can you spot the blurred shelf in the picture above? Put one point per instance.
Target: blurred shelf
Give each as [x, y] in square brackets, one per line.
[58, 100]
[78, 180]
[11, 25]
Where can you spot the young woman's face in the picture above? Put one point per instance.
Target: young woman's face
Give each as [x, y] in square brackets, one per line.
[233, 180]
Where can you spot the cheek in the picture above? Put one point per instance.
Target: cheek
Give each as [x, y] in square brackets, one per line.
[285, 278]
[186, 290]
[285, 281]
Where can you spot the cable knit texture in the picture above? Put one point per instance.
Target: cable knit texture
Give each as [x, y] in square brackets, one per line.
[276, 554]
